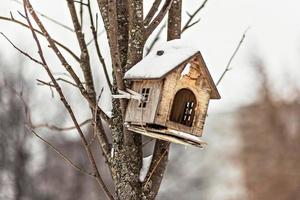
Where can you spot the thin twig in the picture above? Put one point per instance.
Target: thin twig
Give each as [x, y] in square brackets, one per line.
[84, 57]
[147, 142]
[156, 39]
[66, 81]
[81, 13]
[92, 40]
[96, 118]
[188, 24]
[64, 157]
[25, 105]
[62, 73]
[39, 32]
[48, 18]
[56, 128]
[21, 51]
[227, 68]
[156, 165]
[80, 2]
[40, 82]
[95, 36]
[43, 83]
[29, 126]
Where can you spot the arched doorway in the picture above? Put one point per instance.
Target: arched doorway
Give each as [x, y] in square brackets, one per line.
[183, 108]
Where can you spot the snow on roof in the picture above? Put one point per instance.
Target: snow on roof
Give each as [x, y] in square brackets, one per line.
[161, 60]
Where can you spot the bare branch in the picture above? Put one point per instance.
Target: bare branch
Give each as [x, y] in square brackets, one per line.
[189, 23]
[81, 2]
[152, 12]
[155, 166]
[66, 81]
[95, 39]
[46, 17]
[81, 13]
[39, 32]
[159, 17]
[227, 68]
[40, 82]
[29, 126]
[92, 40]
[192, 24]
[63, 156]
[156, 39]
[147, 142]
[99, 179]
[85, 59]
[21, 51]
[20, 96]
[95, 120]
[56, 128]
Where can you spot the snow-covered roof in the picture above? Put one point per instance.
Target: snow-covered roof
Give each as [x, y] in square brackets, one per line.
[161, 60]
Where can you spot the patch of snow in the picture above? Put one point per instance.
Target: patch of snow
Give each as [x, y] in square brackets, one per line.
[186, 70]
[161, 60]
[145, 168]
[108, 113]
[112, 152]
[187, 136]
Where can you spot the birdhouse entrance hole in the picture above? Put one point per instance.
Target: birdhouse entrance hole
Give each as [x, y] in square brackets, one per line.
[183, 108]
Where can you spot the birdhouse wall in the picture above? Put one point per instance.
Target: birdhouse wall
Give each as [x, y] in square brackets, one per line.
[142, 113]
[192, 80]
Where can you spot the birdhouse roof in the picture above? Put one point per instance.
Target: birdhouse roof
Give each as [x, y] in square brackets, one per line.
[156, 66]
[165, 58]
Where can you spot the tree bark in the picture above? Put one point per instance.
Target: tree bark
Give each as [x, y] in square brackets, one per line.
[126, 160]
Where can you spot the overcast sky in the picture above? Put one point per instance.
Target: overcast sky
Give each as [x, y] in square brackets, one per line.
[274, 35]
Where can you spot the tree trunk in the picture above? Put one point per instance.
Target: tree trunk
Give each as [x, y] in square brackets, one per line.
[127, 160]
[127, 149]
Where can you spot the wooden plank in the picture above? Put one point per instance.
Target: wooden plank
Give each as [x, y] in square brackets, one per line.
[158, 134]
[138, 115]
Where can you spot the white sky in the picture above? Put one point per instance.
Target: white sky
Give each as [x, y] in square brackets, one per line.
[274, 35]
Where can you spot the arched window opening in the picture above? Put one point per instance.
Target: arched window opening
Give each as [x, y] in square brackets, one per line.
[183, 107]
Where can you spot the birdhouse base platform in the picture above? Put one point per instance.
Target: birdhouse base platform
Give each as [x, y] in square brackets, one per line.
[169, 135]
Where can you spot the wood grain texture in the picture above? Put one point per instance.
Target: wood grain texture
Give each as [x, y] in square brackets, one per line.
[196, 81]
[139, 115]
[166, 136]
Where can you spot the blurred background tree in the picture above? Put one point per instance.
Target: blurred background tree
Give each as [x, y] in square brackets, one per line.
[270, 133]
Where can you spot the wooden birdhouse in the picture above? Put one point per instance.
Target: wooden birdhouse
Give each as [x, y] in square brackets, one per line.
[176, 87]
